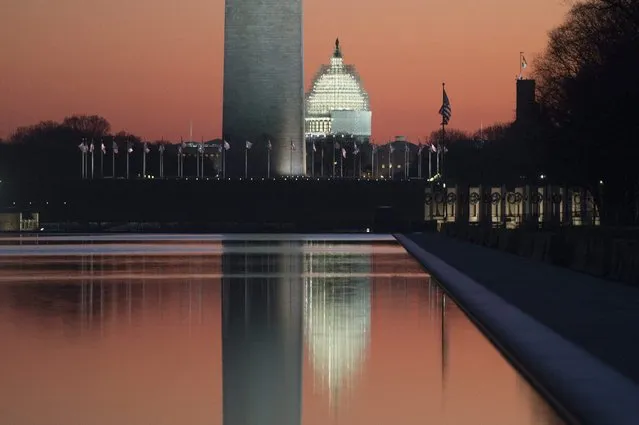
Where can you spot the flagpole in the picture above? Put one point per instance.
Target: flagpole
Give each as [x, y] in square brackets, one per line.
[144, 161]
[291, 163]
[313, 160]
[322, 170]
[372, 161]
[82, 153]
[441, 171]
[419, 163]
[406, 160]
[102, 148]
[128, 146]
[390, 152]
[92, 160]
[268, 162]
[521, 68]
[245, 161]
[334, 158]
[354, 160]
[430, 163]
[202, 159]
[341, 163]
[113, 145]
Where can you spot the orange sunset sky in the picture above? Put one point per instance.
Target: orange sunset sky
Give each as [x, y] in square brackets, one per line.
[151, 66]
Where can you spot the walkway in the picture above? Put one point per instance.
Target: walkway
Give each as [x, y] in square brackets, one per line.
[600, 316]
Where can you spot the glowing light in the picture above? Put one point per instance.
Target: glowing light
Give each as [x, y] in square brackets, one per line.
[336, 87]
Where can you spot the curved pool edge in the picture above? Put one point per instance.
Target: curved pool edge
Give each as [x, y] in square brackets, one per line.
[579, 386]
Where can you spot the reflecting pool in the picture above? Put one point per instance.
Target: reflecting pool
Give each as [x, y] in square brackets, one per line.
[241, 330]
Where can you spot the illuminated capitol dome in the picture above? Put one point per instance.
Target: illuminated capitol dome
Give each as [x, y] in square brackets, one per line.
[337, 103]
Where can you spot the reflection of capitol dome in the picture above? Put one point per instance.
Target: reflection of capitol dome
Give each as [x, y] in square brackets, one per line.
[337, 315]
[337, 103]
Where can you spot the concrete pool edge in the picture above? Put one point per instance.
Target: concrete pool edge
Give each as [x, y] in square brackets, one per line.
[582, 388]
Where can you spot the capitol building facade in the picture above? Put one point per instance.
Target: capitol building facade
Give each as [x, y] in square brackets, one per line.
[337, 103]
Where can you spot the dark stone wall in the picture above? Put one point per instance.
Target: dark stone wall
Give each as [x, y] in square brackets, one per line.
[308, 205]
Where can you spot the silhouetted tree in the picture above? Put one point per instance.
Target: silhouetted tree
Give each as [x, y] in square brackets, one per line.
[589, 92]
[49, 150]
[90, 126]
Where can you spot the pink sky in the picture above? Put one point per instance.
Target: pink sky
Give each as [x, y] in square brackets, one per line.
[150, 66]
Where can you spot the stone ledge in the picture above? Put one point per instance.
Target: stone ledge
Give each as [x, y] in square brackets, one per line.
[581, 387]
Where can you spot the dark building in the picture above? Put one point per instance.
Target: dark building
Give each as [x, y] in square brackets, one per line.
[262, 333]
[527, 106]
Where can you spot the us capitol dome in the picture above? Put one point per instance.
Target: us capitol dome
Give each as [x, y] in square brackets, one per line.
[337, 102]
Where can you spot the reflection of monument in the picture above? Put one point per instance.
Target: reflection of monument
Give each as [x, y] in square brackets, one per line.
[264, 84]
[337, 321]
[262, 336]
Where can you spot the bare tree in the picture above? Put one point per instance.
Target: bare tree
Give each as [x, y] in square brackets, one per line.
[93, 126]
[588, 89]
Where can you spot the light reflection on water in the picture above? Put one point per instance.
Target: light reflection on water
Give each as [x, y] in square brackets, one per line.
[259, 332]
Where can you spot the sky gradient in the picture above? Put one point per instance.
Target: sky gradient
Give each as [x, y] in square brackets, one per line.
[151, 66]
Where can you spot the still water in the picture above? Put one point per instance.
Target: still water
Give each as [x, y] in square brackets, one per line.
[242, 330]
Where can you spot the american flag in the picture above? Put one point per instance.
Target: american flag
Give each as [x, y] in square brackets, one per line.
[445, 111]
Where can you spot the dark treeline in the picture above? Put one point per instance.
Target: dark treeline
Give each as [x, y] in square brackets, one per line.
[587, 132]
[588, 90]
[50, 150]
[499, 154]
